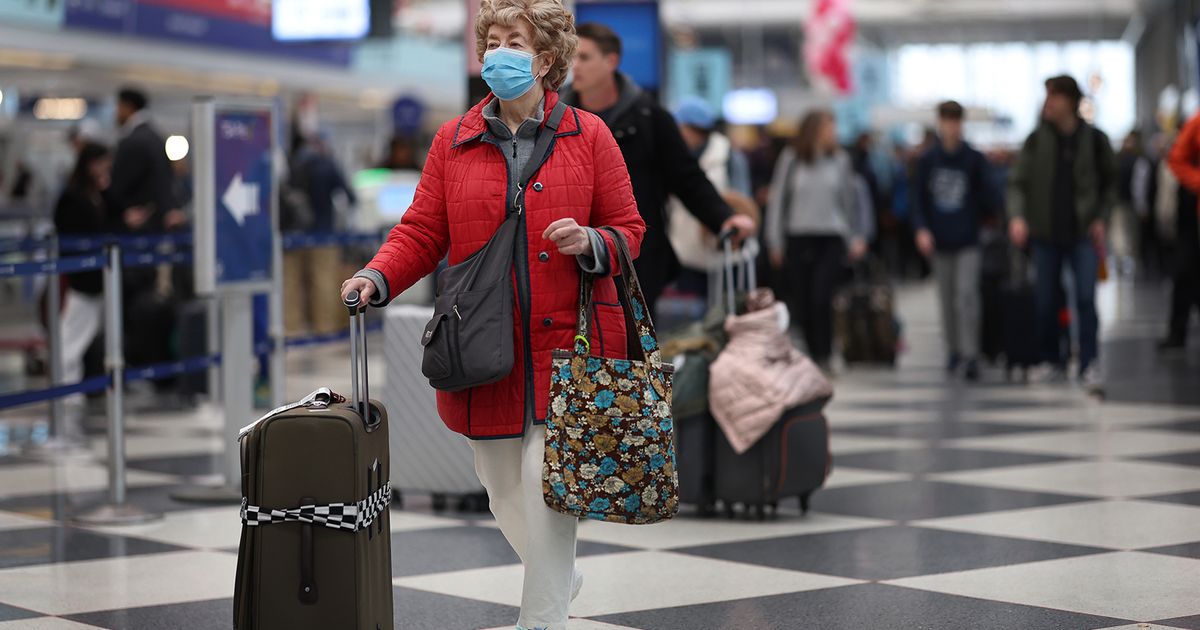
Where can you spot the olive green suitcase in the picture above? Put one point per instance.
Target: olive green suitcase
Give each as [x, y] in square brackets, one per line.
[316, 544]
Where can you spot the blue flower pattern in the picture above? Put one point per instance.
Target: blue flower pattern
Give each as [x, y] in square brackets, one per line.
[600, 464]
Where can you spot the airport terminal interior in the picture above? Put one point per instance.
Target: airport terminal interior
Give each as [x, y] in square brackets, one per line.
[999, 422]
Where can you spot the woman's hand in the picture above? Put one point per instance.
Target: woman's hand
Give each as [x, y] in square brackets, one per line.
[365, 289]
[569, 237]
[858, 249]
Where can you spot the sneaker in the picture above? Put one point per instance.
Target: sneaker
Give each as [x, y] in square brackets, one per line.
[1092, 380]
[972, 371]
[1049, 374]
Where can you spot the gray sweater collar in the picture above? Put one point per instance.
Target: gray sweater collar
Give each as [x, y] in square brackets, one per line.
[528, 129]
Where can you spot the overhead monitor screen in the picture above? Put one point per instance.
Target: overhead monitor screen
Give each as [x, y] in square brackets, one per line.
[313, 20]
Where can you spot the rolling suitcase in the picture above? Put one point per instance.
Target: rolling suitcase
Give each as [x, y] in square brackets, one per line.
[1019, 320]
[991, 290]
[696, 431]
[865, 319]
[426, 457]
[791, 460]
[316, 544]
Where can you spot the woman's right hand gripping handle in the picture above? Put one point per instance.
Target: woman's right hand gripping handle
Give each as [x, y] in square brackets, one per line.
[365, 288]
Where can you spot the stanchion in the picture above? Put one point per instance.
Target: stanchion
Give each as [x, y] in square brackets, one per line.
[278, 359]
[117, 511]
[237, 356]
[61, 441]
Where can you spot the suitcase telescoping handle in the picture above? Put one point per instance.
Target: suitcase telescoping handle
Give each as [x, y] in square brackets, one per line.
[361, 391]
[729, 273]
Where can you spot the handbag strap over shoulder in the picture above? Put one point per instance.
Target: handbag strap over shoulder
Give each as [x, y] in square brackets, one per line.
[638, 323]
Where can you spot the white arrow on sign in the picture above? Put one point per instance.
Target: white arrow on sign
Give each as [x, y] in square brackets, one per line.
[241, 198]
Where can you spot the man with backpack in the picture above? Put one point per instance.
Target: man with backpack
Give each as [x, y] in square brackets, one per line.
[1060, 198]
[951, 197]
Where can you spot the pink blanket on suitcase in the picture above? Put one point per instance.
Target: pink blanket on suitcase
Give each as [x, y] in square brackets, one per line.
[759, 375]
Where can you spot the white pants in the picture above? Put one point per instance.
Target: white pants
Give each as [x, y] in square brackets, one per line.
[511, 471]
[82, 320]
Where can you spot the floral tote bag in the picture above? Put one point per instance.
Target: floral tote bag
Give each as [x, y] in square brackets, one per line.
[610, 452]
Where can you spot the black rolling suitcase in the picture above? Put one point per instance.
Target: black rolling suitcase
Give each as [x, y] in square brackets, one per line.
[696, 431]
[792, 460]
[865, 319]
[316, 543]
[1019, 320]
[994, 275]
[192, 341]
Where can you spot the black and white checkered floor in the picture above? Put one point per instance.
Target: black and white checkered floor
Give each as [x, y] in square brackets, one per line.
[987, 507]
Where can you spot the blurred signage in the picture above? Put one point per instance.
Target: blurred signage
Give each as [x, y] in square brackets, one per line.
[407, 115]
[638, 24]
[751, 107]
[243, 25]
[235, 191]
[38, 12]
[309, 20]
[706, 73]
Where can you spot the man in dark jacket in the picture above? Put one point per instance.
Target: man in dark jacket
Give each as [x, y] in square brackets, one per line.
[141, 195]
[950, 199]
[1060, 198]
[659, 162]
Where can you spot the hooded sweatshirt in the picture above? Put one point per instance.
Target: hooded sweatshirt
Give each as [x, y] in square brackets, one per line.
[951, 196]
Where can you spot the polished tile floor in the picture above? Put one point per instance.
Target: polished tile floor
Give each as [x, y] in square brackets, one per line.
[950, 507]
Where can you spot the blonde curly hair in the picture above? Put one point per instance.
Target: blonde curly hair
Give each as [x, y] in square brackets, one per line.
[553, 31]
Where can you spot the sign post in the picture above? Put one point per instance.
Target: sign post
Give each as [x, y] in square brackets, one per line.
[236, 250]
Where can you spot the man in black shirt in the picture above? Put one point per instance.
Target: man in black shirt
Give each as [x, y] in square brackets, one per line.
[659, 162]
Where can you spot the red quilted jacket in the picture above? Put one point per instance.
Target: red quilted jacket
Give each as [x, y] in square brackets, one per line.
[460, 202]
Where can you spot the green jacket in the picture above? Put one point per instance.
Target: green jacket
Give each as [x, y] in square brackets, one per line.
[1031, 184]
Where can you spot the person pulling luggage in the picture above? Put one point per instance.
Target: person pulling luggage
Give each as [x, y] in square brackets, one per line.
[520, 170]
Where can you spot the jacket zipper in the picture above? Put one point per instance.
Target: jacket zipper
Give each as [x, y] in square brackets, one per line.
[521, 263]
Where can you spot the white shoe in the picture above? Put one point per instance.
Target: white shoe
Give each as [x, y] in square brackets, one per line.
[1048, 374]
[1092, 380]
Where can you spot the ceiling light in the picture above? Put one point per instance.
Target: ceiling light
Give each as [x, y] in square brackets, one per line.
[60, 109]
[177, 148]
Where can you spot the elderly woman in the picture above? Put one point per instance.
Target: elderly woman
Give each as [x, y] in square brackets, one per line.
[470, 185]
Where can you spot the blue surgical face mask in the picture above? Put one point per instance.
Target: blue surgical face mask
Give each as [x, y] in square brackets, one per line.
[508, 72]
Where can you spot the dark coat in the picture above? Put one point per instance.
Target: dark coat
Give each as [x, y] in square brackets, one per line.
[142, 176]
[660, 165]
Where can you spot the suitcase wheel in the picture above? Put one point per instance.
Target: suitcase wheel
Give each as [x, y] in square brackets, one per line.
[804, 503]
[397, 499]
[439, 502]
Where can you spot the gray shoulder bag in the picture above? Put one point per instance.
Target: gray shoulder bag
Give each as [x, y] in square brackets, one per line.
[469, 341]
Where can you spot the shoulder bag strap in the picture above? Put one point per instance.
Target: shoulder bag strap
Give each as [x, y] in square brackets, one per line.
[541, 150]
[638, 322]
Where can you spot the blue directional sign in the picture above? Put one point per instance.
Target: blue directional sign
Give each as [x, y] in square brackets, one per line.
[235, 226]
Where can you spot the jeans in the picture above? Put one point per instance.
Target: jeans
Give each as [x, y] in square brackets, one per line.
[1049, 260]
[511, 471]
[958, 277]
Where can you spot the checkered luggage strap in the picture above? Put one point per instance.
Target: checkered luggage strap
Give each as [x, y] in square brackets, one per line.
[350, 517]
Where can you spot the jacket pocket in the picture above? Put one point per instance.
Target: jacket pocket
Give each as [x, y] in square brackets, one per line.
[436, 362]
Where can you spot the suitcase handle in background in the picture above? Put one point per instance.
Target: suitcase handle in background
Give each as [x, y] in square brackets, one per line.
[360, 396]
[749, 272]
